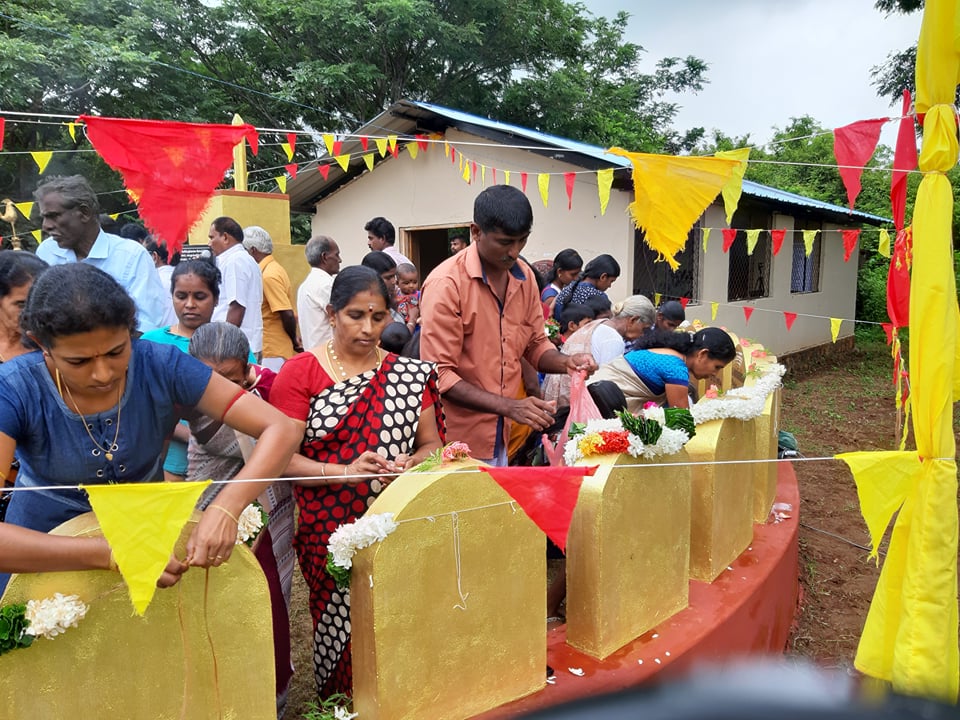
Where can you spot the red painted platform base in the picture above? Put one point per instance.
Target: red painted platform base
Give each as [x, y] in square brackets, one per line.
[747, 611]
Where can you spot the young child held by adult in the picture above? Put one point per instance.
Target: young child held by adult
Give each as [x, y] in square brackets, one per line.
[408, 294]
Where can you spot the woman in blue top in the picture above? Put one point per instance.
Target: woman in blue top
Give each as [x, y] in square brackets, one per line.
[96, 406]
[660, 370]
[596, 278]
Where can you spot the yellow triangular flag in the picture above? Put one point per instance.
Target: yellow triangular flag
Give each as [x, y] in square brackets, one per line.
[381, 146]
[413, 149]
[288, 150]
[706, 237]
[328, 141]
[26, 208]
[883, 480]
[239, 159]
[343, 161]
[446, 149]
[808, 237]
[714, 306]
[72, 129]
[281, 183]
[656, 299]
[115, 215]
[604, 183]
[506, 177]
[835, 324]
[142, 522]
[368, 159]
[543, 182]
[466, 170]
[483, 175]
[883, 246]
[752, 237]
[392, 141]
[460, 161]
[37, 235]
[670, 193]
[41, 158]
[734, 186]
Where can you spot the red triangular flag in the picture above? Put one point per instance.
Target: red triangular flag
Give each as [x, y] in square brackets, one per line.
[547, 495]
[473, 170]
[729, 235]
[494, 175]
[789, 318]
[337, 147]
[421, 141]
[904, 160]
[324, 170]
[291, 169]
[853, 146]
[777, 237]
[172, 167]
[364, 142]
[888, 331]
[292, 142]
[3, 124]
[747, 312]
[453, 155]
[523, 181]
[684, 301]
[898, 279]
[850, 238]
[569, 179]
[394, 149]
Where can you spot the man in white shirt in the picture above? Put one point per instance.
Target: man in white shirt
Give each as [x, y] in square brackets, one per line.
[69, 212]
[381, 235]
[313, 296]
[241, 285]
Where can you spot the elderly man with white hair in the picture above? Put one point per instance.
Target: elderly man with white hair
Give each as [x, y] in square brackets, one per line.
[279, 322]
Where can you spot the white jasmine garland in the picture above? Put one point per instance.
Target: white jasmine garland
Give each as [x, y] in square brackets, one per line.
[341, 713]
[250, 523]
[365, 531]
[744, 403]
[671, 441]
[655, 413]
[52, 616]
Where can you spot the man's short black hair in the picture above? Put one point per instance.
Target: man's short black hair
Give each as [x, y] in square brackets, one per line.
[503, 208]
[382, 228]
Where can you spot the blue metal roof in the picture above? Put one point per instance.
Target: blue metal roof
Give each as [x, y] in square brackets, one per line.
[749, 188]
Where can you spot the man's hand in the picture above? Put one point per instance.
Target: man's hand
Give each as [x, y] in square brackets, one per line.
[581, 361]
[534, 412]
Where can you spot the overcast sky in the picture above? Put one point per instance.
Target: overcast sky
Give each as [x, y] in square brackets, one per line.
[771, 60]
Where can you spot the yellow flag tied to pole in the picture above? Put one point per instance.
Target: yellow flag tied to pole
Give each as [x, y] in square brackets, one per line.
[604, 183]
[141, 522]
[670, 193]
[734, 186]
[910, 636]
[240, 160]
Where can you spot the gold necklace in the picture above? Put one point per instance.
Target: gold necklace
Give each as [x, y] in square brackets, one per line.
[333, 359]
[107, 451]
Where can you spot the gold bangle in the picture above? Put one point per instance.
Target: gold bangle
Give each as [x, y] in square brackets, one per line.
[227, 513]
[112, 566]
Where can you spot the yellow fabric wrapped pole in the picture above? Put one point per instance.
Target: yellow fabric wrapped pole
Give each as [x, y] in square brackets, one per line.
[910, 637]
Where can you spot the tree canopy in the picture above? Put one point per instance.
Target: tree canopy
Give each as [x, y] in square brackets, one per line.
[328, 65]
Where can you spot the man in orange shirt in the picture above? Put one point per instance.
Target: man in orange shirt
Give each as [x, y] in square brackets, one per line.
[480, 313]
[279, 322]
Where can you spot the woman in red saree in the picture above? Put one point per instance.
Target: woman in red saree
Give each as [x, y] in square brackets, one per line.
[366, 415]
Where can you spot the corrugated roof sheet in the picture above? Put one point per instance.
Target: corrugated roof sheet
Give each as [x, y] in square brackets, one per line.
[403, 118]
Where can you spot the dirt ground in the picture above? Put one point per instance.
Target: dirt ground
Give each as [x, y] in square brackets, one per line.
[836, 407]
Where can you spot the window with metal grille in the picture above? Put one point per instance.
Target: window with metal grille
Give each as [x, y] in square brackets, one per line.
[805, 270]
[749, 275]
[652, 276]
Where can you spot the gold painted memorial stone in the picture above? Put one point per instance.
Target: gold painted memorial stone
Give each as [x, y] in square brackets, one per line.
[448, 613]
[198, 652]
[627, 551]
[722, 496]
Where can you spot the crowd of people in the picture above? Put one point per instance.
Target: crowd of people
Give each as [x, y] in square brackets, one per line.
[120, 364]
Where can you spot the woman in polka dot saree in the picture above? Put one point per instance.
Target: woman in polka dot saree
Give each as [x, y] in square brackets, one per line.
[367, 415]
